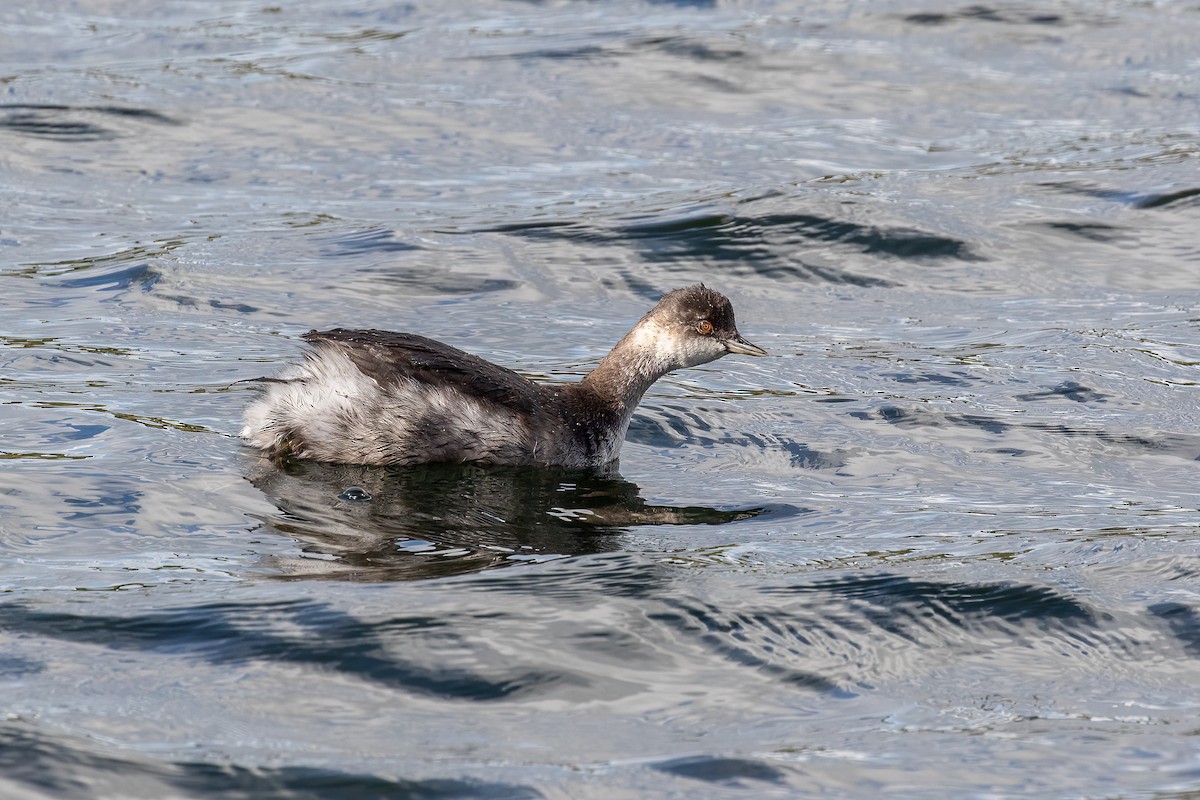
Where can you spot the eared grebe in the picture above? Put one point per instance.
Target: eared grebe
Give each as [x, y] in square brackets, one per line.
[374, 397]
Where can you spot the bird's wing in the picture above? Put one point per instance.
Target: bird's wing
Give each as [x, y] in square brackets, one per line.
[388, 358]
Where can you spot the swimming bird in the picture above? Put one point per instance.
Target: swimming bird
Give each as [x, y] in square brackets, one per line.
[379, 398]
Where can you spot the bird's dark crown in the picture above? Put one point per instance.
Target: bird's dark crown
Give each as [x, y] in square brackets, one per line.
[692, 304]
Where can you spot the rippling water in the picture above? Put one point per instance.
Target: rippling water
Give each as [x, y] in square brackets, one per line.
[943, 543]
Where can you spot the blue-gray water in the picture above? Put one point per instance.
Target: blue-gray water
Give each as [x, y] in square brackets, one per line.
[943, 543]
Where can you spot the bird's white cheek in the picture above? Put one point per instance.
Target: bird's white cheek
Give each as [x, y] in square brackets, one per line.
[701, 351]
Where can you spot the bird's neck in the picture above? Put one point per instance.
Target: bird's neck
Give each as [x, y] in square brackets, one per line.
[632, 367]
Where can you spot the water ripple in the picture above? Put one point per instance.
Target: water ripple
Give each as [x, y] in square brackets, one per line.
[1186, 446]
[984, 13]
[768, 245]
[324, 638]
[735, 772]
[676, 426]
[72, 768]
[73, 122]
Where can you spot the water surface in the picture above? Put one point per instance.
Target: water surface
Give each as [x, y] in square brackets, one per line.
[942, 543]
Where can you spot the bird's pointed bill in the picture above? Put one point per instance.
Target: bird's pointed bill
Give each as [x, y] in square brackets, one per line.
[740, 346]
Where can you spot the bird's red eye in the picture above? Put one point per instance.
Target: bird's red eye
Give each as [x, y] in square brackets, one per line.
[704, 326]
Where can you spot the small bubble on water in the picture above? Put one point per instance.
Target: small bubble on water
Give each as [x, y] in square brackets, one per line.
[355, 494]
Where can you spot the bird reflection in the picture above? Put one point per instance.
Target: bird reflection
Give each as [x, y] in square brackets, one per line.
[379, 523]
